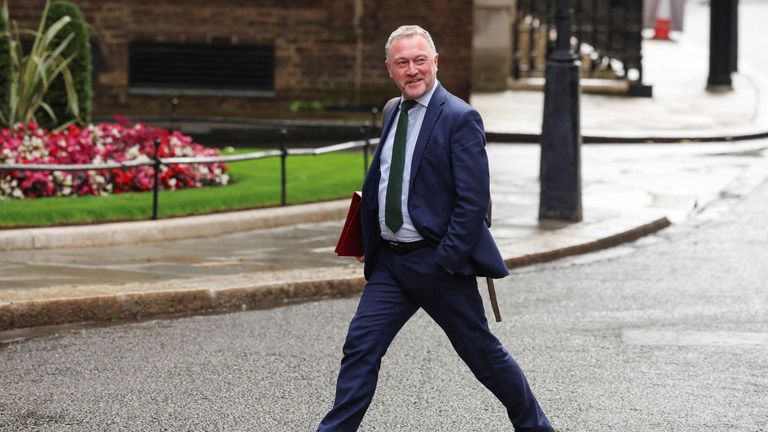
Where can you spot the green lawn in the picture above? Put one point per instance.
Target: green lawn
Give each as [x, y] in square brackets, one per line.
[254, 183]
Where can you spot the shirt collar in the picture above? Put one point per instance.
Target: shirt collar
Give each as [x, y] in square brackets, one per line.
[426, 97]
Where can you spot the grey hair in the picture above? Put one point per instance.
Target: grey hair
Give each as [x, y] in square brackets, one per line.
[406, 31]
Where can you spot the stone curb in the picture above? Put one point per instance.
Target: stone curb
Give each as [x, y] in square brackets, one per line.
[533, 138]
[243, 293]
[152, 304]
[566, 250]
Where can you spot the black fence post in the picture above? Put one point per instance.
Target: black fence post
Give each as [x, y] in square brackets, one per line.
[174, 103]
[374, 132]
[156, 184]
[374, 119]
[365, 132]
[283, 157]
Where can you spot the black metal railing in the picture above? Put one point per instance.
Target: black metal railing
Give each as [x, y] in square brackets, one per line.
[607, 37]
[366, 144]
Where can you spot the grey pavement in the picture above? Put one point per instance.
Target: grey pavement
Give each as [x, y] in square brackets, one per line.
[269, 257]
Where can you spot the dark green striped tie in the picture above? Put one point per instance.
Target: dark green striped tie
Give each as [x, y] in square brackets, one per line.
[393, 213]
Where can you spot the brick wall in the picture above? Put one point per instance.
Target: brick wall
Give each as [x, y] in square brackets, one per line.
[325, 50]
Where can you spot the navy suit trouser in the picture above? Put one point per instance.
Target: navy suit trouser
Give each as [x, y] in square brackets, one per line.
[399, 285]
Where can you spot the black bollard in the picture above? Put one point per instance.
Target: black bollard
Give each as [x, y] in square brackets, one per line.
[723, 27]
[735, 37]
[560, 169]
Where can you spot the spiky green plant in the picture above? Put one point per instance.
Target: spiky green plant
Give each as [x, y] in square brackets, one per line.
[5, 62]
[32, 74]
[80, 67]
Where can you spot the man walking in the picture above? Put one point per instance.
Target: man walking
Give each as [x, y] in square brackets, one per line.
[423, 215]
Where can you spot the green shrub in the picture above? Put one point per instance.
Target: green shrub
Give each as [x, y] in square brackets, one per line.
[5, 63]
[79, 48]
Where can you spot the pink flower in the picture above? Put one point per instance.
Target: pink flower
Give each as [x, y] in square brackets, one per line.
[95, 144]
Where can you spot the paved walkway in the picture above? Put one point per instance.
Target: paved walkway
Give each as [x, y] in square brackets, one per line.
[681, 107]
[268, 257]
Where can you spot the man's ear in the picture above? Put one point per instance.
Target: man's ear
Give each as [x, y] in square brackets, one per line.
[436, 55]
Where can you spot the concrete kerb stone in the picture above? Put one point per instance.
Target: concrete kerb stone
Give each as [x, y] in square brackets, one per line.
[566, 246]
[176, 301]
[741, 135]
[170, 229]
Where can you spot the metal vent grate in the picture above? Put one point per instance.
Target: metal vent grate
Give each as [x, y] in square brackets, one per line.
[202, 67]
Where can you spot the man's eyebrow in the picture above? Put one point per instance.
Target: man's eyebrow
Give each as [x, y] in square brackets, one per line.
[418, 57]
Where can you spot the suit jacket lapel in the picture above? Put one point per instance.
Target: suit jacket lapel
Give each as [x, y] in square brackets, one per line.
[375, 169]
[387, 125]
[434, 109]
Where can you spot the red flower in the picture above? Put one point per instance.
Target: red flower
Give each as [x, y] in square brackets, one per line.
[95, 144]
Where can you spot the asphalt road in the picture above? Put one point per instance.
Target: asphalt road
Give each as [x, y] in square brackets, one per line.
[667, 334]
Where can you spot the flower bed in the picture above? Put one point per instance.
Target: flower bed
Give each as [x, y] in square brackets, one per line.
[97, 144]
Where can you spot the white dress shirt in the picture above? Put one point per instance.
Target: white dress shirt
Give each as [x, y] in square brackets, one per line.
[407, 232]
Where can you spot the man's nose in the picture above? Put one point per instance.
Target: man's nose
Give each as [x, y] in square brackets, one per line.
[412, 68]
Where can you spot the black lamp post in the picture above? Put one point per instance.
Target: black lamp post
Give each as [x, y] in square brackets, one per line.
[560, 170]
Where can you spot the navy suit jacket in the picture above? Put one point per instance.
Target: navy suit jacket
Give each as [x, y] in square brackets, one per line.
[449, 190]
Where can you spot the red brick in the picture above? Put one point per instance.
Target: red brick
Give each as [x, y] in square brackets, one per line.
[314, 42]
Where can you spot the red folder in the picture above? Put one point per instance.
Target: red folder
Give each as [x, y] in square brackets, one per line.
[351, 239]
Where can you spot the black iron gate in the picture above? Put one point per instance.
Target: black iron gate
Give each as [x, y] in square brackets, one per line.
[607, 37]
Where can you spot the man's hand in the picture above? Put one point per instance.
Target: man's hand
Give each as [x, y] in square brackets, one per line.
[361, 259]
